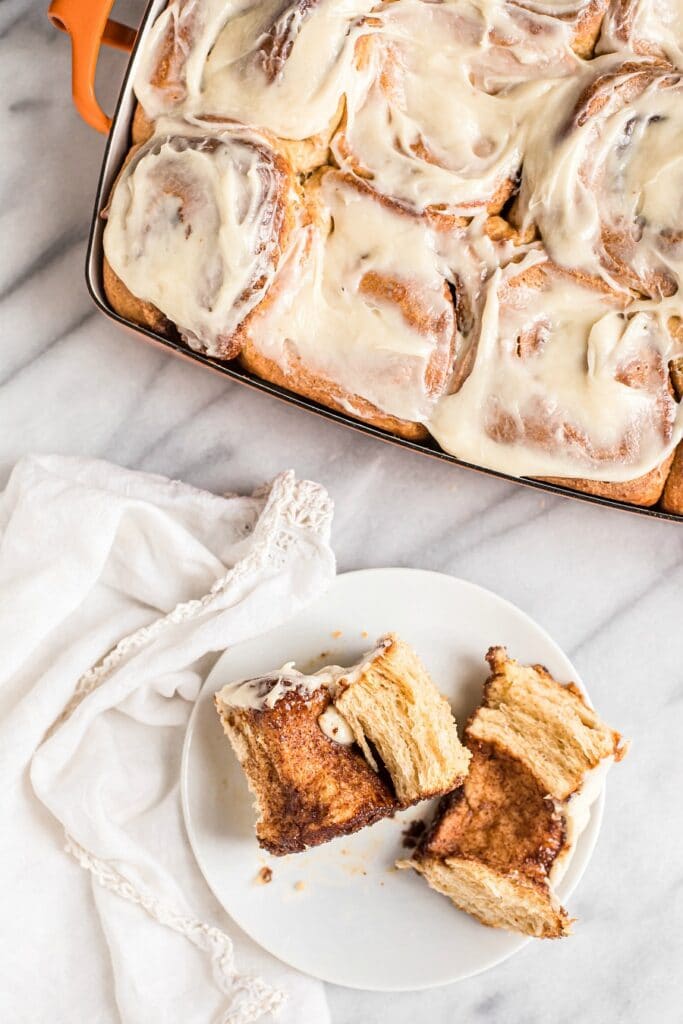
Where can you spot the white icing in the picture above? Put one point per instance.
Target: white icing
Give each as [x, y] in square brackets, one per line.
[453, 136]
[645, 26]
[265, 691]
[619, 169]
[193, 224]
[335, 726]
[282, 65]
[576, 813]
[547, 395]
[360, 314]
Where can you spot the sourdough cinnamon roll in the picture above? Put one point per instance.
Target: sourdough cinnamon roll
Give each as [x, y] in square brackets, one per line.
[449, 90]
[197, 224]
[647, 27]
[603, 179]
[570, 380]
[369, 326]
[284, 65]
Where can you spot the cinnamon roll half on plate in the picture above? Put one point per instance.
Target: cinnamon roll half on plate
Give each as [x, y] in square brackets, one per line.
[366, 324]
[198, 222]
[570, 382]
[603, 176]
[282, 64]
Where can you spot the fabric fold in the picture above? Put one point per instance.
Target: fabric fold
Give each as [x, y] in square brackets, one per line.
[118, 590]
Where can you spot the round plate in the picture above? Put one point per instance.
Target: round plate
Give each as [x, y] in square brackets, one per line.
[342, 912]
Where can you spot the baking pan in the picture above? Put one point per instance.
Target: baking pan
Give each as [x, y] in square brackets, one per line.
[88, 24]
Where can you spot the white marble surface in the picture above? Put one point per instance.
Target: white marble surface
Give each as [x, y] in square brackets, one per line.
[605, 584]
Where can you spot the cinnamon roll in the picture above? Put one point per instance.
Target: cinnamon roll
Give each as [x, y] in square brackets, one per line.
[603, 178]
[452, 137]
[647, 27]
[570, 381]
[368, 326]
[282, 64]
[198, 222]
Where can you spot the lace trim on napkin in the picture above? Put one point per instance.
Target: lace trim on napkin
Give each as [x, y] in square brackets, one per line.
[292, 509]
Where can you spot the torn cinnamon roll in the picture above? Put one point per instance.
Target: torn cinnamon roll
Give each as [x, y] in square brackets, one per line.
[197, 224]
[280, 64]
[356, 326]
[604, 182]
[570, 381]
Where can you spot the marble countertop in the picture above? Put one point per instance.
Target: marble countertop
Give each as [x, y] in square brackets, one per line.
[605, 584]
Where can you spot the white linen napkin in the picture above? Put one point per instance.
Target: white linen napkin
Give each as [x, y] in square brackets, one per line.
[116, 591]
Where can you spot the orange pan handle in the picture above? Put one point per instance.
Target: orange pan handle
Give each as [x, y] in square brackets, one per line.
[88, 25]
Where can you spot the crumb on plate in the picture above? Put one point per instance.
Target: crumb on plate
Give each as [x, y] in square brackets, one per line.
[413, 833]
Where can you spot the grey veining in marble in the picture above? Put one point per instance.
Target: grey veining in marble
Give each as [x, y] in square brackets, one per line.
[605, 584]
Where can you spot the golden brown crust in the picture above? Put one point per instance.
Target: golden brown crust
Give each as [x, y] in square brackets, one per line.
[302, 381]
[309, 789]
[143, 126]
[129, 306]
[672, 498]
[587, 28]
[645, 490]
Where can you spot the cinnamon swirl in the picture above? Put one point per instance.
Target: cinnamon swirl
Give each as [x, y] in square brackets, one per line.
[569, 381]
[603, 178]
[197, 225]
[361, 329]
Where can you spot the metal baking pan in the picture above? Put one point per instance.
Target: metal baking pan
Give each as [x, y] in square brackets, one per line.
[87, 22]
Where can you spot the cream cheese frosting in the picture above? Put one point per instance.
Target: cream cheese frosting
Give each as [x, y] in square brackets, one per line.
[453, 137]
[646, 26]
[264, 692]
[575, 813]
[193, 226]
[566, 381]
[607, 194]
[275, 63]
[359, 313]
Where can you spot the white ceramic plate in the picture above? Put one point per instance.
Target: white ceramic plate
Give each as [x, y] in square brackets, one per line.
[341, 912]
